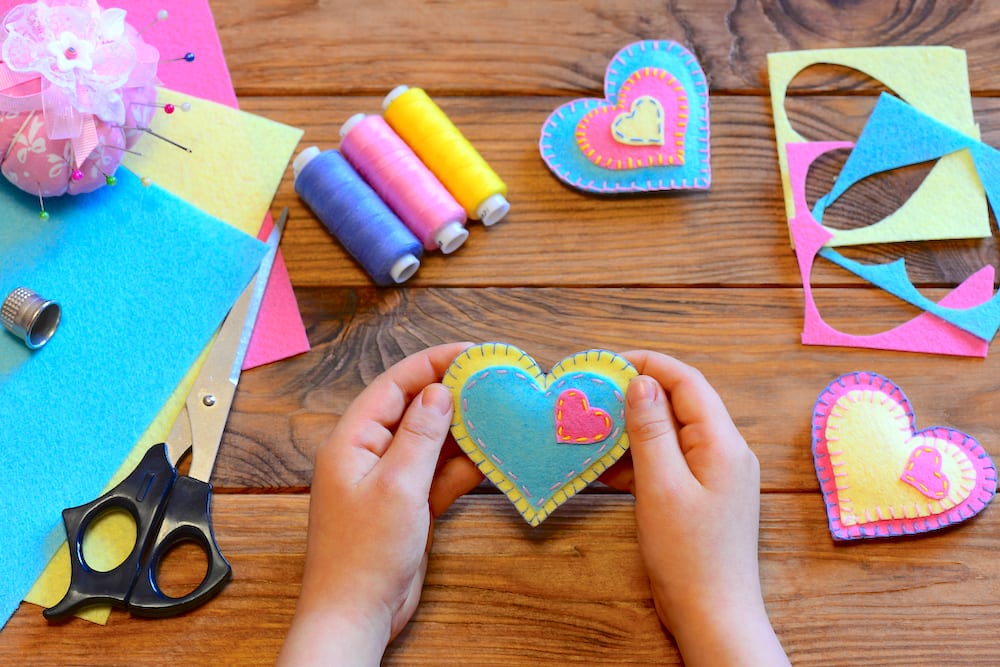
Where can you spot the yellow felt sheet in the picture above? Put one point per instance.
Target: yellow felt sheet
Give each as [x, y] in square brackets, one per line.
[950, 203]
[234, 169]
[236, 162]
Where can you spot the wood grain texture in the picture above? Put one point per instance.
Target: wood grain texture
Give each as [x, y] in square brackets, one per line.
[563, 46]
[709, 277]
[571, 591]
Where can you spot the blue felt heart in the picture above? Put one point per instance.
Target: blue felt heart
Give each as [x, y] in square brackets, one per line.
[540, 438]
[582, 142]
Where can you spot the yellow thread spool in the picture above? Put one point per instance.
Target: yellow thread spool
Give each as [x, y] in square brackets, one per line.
[447, 153]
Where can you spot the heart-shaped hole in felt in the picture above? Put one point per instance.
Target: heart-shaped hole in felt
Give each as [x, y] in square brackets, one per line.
[865, 443]
[507, 421]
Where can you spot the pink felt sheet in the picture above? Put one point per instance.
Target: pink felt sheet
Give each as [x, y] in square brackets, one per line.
[924, 333]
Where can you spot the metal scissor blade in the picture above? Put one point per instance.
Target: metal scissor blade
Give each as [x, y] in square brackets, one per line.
[206, 409]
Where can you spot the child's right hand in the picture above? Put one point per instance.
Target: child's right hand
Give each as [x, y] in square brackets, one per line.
[697, 504]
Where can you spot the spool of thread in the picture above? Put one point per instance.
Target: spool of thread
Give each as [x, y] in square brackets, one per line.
[356, 216]
[404, 182]
[444, 149]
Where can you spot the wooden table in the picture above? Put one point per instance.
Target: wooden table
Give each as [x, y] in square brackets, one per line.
[708, 277]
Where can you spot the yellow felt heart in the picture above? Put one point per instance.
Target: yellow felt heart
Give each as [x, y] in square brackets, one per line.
[876, 487]
[641, 125]
[880, 476]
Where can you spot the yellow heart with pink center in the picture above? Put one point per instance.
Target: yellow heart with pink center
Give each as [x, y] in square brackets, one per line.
[880, 476]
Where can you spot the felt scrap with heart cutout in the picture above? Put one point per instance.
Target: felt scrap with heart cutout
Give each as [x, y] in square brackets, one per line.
[880, 476]
[540, 438]
[649, 133]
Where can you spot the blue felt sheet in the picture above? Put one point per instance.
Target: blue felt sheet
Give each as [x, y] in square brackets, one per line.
[143, 279]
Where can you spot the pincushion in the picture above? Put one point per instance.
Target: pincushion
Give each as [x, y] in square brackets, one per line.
[73, 77]
[539, 438]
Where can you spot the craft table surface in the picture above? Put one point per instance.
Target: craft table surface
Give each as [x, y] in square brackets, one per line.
[708, 277]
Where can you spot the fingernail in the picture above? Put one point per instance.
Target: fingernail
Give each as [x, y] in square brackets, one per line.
[437, 396]
[641, 390]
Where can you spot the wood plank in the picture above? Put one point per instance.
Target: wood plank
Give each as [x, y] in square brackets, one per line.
[746, 341]
[733, 234]
[571, 592]
[278, 47]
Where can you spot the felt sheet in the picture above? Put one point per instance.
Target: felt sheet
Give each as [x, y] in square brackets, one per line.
[143, 279]
[279, 332]
[229, 146]
[934, 80]
[235, 165]
[925, 333]
[897, 135]
[111, 537]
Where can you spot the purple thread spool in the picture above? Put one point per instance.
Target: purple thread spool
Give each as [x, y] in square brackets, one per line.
[405, 183]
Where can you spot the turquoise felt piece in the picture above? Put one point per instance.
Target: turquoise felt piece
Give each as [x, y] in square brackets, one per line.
[143, 279]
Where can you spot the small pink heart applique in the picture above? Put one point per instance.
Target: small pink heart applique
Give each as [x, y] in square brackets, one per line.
[923, 472]
[577, 422]
[882, 477]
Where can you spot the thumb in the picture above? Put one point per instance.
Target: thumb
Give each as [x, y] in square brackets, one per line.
[414, 451]
[652, 434]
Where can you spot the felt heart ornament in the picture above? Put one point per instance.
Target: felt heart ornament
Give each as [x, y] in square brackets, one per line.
[882, 477]
[649, 133]
[540, 438]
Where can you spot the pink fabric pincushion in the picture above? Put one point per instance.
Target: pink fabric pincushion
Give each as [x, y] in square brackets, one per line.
[73, 76]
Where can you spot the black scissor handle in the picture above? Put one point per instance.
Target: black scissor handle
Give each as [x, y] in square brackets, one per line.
[141, 495]
[186, 518]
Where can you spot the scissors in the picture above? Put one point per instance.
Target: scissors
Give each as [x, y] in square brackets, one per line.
[169, 508]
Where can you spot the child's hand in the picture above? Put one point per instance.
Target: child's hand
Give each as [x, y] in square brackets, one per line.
[697, 506]
[379, 481]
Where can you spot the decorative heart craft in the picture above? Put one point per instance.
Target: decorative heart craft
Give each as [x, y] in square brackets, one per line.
[649, 133]
[539, 438]
[880, 476]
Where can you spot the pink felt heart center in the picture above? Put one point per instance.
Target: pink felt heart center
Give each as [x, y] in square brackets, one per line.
[645, 128]
[923, 472]
[577, 422]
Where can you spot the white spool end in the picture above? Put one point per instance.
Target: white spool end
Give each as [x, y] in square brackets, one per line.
[350, 124]
[302, 159]
[451, 237]
[404, 268]
[493, 209]
[393, 94]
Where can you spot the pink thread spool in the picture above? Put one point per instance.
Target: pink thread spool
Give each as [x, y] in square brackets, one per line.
[395, 172]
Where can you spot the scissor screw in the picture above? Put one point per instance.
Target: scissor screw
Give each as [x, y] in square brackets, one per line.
[208, 400]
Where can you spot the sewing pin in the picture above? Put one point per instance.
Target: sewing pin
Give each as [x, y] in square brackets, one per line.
[158, 136]
[160, 16]
[43, 214]
[167, 108]
[187, 57]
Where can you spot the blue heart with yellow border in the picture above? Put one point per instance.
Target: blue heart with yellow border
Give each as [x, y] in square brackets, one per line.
[540, 438]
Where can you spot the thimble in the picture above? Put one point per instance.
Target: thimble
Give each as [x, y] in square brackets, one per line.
[30, 317]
